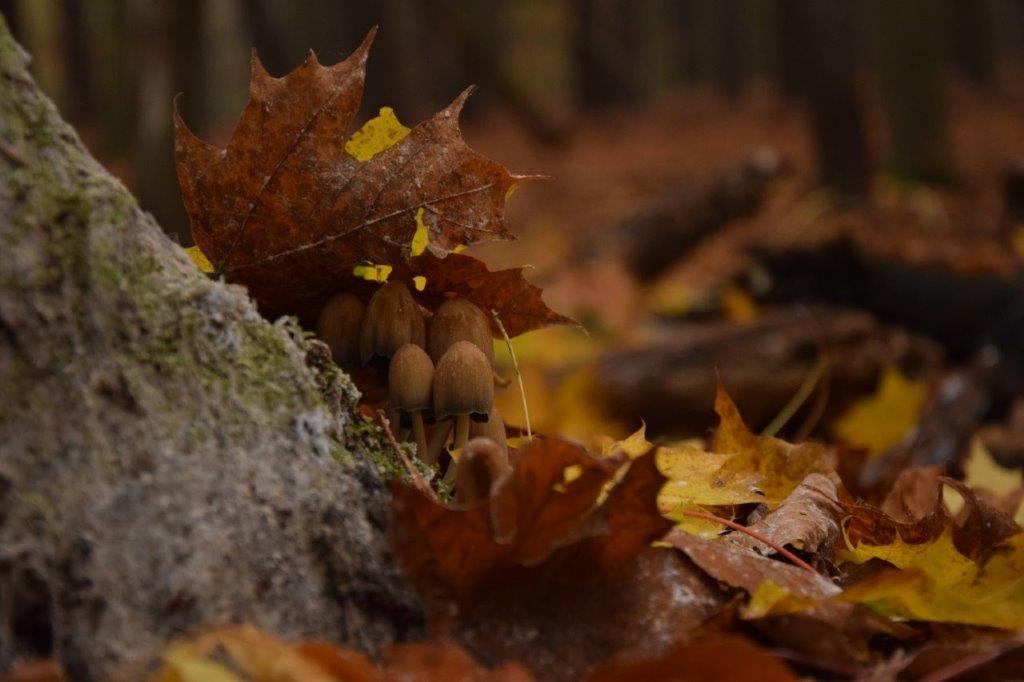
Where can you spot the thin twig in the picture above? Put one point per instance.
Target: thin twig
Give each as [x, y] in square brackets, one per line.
[519, 375]
[798, 399]
[797, 561]
[417, 477]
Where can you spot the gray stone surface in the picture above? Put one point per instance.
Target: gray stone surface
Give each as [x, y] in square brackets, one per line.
[168, 459]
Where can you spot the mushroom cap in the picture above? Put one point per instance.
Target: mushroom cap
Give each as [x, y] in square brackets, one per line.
[493, 428]
[459, 320]
[410, 376]
[463, 383]
[392, 320]
[338, 326]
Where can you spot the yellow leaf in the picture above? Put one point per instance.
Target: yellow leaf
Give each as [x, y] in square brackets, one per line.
[421, 238]
[200, 259]
[635, 445]
[420, 282]
[770, 599]
[183, 666]
[695, 479]
[881, 420]
[379, 133]
[372, 273]
[982, 471]
[738, 305]
[257, 656]
[777, 467]
[937, 583]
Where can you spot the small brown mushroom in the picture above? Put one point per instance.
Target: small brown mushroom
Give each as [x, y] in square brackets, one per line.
[338, 326]
[493, 428]
[463, 388]
[392, 320]
[410, 376]
[481, 466]
[459, 320]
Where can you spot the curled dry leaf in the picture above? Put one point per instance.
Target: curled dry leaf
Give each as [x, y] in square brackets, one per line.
[808, 519]
[914, 514]
[295, 203]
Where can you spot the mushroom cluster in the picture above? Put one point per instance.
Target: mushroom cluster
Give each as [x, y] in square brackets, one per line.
[439, 373]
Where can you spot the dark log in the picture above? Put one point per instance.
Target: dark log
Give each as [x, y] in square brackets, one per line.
[660, 233]
[670, 384]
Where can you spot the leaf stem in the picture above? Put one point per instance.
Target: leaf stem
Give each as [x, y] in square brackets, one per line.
[797, 561]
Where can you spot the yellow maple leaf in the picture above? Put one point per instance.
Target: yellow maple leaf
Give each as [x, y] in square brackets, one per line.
[937, 583]
[881, 420]
[778, 466]
[771, 599]
[258, 656]
[378, 134]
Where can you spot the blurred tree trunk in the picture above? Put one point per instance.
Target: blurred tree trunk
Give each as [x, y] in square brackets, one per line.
[793, 35]
[972, 35]
[12, 13]
[117, 77]
[684, 16]
[831, 47]
[77, 64]
[910, 63]
[604, 74]
[730, 41]
[188, 48]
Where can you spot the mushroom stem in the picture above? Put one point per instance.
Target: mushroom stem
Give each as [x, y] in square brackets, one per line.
[461, 431]
[438, 437]
[420, 434]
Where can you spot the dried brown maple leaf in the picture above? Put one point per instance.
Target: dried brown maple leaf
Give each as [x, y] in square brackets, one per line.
[289, 208]
[914, 513]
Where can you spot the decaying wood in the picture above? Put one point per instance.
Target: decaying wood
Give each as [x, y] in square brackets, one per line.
[168, 458]
[661, 232]
[670, 384]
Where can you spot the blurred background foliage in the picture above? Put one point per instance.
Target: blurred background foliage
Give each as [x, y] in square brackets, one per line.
[113, 66]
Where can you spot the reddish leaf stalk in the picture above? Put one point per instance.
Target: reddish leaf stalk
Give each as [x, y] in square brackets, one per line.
[797, 561]
[417, 477]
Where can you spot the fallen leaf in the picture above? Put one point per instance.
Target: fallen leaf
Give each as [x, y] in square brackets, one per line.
[779, 466]
[936, 582]
[808, 519]
[721, 658]
[294, 203]
[744, 568]
[881, 420]
[228, 654]
[549, 571]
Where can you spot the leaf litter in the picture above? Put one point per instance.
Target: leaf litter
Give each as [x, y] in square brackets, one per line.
[588, 564]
